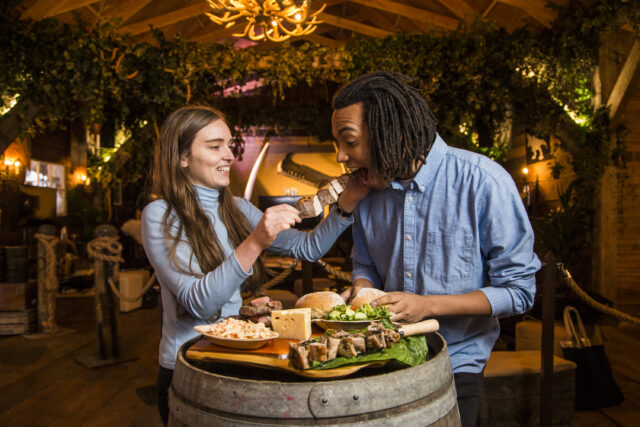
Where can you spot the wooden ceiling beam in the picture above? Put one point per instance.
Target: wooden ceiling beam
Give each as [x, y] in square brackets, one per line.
[69, 5]
[354, 26]
[411, 12]
[125, 9]
[376, 17]
[166, 19]
[40, 9]
[489, 8]
[460, 8]
[217, 33]
[536, 8]
[623, 82]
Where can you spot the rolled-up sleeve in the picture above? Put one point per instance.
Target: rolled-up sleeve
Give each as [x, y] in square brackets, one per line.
[507, 241]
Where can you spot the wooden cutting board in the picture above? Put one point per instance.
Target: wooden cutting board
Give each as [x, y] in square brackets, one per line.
[274, 355]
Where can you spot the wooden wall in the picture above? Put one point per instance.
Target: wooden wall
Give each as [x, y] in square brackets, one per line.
[628, 207]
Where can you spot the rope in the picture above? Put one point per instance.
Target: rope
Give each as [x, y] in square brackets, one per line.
[136, 298]
[109, 244]
[112, 246]
[50, 279]
[616, 314]
[341, 275]
[281, 276]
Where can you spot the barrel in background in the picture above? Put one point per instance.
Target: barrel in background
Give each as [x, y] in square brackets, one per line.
[212, 394]
[16, 264]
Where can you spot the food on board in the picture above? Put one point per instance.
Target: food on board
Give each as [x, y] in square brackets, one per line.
[319, 302]
[366, 296]
[345, 313]
[231, 328]
[341, 343]
[259, 310]
[292, 324]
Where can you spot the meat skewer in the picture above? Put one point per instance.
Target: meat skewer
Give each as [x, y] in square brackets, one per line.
[311, 206]
[342, 343]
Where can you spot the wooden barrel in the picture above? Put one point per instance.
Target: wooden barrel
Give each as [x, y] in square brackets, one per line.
[211, 394]
[16, 264]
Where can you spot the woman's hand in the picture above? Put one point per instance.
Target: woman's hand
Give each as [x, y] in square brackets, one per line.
[355, 191]
[275, 219]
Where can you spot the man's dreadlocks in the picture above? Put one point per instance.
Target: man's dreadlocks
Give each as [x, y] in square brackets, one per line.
[401, 125]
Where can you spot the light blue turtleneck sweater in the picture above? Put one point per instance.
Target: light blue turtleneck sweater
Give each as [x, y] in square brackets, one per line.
[217, 291]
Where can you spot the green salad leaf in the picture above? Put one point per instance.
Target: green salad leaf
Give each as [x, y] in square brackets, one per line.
[409, 351]
[365, 312]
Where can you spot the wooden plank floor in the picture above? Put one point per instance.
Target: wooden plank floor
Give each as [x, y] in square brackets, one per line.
[42, 385]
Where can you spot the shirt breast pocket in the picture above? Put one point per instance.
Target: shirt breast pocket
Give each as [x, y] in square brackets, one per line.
[449, 256]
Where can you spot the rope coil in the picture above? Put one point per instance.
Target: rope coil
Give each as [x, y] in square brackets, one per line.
[109, 249]
[616, 314]
[341, 275]
[50, 279]
[279, 278]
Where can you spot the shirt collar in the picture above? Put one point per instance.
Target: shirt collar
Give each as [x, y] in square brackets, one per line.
[207, 196]
[428, 170]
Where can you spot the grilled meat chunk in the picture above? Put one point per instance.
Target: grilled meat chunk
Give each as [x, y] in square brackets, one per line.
[332, 346]
[347, 347]
[376, 342]
[299, 356]
[317, 352]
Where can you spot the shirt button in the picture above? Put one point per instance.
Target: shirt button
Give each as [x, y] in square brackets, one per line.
[422, 188]
[410, 199]
[408, 274]
[408, 236]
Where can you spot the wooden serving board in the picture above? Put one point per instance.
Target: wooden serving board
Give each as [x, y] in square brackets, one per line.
[274, 355]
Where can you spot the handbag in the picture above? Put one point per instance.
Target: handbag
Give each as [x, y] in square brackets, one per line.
[595, 386]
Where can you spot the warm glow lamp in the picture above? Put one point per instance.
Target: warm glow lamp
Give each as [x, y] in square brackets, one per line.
[274, 20]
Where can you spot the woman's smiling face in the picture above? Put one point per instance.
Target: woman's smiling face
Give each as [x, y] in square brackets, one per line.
[354, 149]
[209, 161]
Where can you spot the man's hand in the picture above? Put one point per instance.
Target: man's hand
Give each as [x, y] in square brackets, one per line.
[349, 293]
[356, 190]
[407, 308]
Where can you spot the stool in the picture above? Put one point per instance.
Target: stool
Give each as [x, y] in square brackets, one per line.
[512, 389]
[529, 336]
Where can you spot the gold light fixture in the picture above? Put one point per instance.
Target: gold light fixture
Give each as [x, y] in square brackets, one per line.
[274, 20]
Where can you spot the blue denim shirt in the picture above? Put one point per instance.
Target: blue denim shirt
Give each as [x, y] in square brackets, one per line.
[458, 226]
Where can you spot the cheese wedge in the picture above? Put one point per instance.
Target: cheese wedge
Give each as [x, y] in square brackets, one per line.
[292, 324]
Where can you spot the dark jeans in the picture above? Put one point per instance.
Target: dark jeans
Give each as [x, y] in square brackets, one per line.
[469, 390]
[162, 391]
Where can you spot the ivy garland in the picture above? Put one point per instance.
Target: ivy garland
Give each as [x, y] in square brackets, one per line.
[475, 79]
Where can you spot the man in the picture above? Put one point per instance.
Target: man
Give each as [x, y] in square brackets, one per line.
[443, 232]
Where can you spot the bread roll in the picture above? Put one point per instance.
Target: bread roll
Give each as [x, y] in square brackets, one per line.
[366, 295]
[319, 302]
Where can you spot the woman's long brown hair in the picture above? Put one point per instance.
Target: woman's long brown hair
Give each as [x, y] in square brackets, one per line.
[174, 186]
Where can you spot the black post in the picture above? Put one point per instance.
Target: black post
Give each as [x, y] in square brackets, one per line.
[549, 274]
[307, 277]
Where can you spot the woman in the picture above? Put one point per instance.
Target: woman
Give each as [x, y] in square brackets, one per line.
[203, 243]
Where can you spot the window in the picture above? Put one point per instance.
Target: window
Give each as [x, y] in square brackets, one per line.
[51, 175]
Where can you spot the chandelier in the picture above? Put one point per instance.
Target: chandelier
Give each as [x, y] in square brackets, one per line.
[274, 20]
